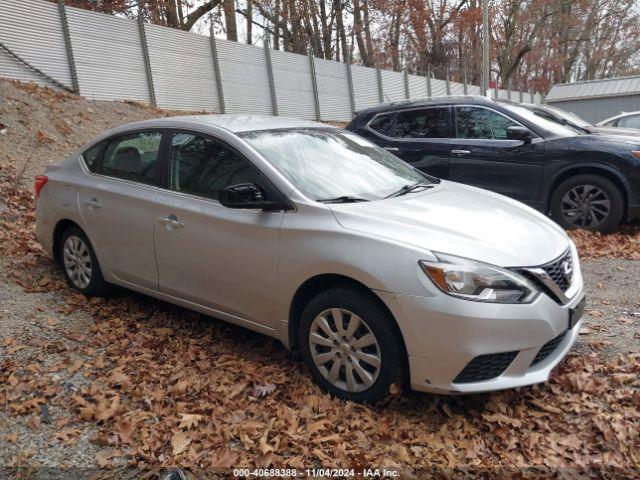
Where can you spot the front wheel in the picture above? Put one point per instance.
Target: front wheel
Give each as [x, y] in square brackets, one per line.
[352, 347]
[587, 201]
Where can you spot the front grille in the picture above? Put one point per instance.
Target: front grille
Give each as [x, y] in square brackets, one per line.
[548, 348]
[485, 367]
[556, 271]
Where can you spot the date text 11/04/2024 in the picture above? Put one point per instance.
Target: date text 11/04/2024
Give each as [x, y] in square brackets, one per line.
[316, 472]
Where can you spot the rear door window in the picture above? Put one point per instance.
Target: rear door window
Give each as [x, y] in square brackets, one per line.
[133, 157]
[423, 123]
[382, 123]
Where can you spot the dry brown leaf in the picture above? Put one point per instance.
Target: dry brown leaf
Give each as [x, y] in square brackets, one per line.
[189, 420]
[179, 442]
[104, 459]
[316, 427]
[263, 390]
[125, 429]
[33, 422]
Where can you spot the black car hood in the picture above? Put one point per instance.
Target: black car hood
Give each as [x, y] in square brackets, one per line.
[630, 132]
[600, 142]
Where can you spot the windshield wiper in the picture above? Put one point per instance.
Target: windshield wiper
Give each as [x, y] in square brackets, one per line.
[409, 188]
[342, 199]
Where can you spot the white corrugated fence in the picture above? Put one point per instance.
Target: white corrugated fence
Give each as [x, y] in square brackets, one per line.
[114, 58]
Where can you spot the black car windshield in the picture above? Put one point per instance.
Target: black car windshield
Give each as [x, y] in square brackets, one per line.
[548, 125]
[332, 164]
[570, 117]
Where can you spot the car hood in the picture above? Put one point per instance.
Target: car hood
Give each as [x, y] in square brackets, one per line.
[631, 132]
[460, 220]
[597, 142]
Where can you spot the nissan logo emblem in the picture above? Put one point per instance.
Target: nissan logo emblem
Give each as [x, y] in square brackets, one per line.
[567, 269]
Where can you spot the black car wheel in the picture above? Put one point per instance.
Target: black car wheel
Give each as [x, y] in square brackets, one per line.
[80, 264]
[352, 347]
[587, 201]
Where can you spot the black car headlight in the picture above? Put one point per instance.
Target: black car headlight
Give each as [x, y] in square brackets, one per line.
[477, 281]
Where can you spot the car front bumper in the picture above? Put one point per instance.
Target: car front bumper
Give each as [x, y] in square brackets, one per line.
[444, 334]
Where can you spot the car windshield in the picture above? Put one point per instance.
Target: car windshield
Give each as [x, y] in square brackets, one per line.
[332, 164]
[548, 125]
[570, 117]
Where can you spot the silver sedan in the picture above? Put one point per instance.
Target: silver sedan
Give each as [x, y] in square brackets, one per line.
[378, 274]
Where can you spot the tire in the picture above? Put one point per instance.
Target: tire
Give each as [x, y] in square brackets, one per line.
[75, 253]
[587, 201]
[373, 384]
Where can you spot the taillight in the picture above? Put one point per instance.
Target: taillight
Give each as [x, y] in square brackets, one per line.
[40, 182]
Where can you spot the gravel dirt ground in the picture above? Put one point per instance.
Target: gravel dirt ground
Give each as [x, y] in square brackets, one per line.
[131, 382]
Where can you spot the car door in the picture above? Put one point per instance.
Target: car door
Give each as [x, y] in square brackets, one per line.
[208, 254]
[117, 206]
[482, 155]
[419, 136]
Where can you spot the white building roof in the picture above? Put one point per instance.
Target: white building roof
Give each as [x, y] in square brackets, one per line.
[611, 87]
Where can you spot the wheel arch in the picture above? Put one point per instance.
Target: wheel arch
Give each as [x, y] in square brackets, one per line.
[62, 226]
[605, 171]
[319, 283]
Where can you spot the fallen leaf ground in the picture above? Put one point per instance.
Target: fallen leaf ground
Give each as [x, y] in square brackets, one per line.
[128, 384]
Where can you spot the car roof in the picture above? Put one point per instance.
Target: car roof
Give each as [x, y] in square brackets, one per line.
[427, 102]
[233, 123]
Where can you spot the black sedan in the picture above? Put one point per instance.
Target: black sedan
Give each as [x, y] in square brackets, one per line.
[583, 181]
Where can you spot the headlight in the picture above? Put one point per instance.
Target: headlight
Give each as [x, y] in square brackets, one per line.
[477, 281]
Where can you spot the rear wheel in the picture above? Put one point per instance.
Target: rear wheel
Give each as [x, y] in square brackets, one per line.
[80, 264]
[587, 201]
[351, 346]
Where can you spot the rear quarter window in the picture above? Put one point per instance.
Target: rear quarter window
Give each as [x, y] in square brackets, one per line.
[91, 157]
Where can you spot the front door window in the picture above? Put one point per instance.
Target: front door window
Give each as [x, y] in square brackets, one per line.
[481, 123]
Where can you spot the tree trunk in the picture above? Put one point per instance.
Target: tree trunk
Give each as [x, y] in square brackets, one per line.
[359, 34]
[340, 31]
[276, 26]
[230, 19]
[250, 22]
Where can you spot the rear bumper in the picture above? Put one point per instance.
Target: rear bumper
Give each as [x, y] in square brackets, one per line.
[443, 335]
[44, 226]
[634, 212]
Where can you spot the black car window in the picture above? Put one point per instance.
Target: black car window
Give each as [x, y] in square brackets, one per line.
[632, 121]
[477, 122]
[133, 157]
[423, 123]
[381, 123]
[91, 157]
[202, 166]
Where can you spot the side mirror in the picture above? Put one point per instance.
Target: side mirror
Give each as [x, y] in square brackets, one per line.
[246, 195]
[518, 132]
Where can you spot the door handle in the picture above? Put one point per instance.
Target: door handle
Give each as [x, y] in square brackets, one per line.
[460, 152]
[392, 149]
[93, 203]
[171, 221]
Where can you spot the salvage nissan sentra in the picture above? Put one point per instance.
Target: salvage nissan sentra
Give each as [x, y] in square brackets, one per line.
[379, 274]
